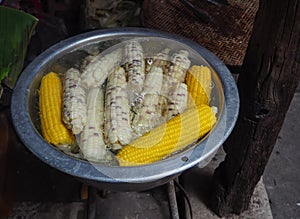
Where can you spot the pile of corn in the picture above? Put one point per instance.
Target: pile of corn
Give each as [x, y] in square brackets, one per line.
[138, 112]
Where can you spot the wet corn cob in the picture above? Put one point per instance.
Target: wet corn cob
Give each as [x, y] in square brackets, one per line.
[95, 73]
[178, 100]
[87, 60]
[174, 76]
[169, 137]
[50, 105]
[153, 81]
[198, 80]
[135, 67]
[74, 102]
[180, 63]
[170, 86]
[117, 128]
[161, 59]
[148, 113]
[92, 144]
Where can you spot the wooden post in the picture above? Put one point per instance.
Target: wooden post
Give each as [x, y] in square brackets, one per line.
[271, 72]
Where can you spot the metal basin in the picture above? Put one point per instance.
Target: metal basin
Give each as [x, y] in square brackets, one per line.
[62, 55]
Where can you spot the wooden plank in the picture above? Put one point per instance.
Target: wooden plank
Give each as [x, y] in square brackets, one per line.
[271, 72]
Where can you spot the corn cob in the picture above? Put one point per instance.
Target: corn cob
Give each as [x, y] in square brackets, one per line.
[198, 80]
[117, 128]
[180, 63]
[50, 105]
[92, 144]
[148, 113]
[169, 137]
[95, 73]
[74, 105]
[159, 60]
[174, 75]
[135, 66]
[167, 91]
[169, 86]
[153, 81]
[177, 101]
[87, 60]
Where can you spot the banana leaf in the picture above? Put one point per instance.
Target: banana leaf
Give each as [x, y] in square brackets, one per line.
[16, 29]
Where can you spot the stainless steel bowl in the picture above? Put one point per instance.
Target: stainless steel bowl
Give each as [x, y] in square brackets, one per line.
[62, 55]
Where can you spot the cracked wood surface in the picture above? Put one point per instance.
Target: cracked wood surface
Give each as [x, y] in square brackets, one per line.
[266, 86]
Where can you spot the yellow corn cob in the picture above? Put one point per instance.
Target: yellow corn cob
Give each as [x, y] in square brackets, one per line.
[50, 104]
[198, 80]
[167, 138]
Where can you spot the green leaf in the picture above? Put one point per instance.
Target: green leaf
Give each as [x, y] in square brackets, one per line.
[16, 29]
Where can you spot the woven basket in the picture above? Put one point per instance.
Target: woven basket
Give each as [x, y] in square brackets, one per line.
[226, 35]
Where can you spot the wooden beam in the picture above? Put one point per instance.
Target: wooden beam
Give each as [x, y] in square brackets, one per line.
[271, 72]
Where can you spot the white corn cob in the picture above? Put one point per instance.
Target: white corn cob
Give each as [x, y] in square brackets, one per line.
[135, 67]
[74, 105]
[169, 85]
[168, 88]
[92, 144]
[117, 129]
[148, 112]
[174, 75]
[153, 81]
[177, 101]
[160, 60]
[84, 63]
[95, 73]
[180, 63]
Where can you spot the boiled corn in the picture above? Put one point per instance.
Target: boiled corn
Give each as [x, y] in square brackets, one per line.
[92, 144]
[169, 137]
[177, 101]
[117, 128]
[135, 67]
[95, 73]
[161, 59]
[74, 102]
[180, 63]
[148, 113]
[50, 105]
[198, 80]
